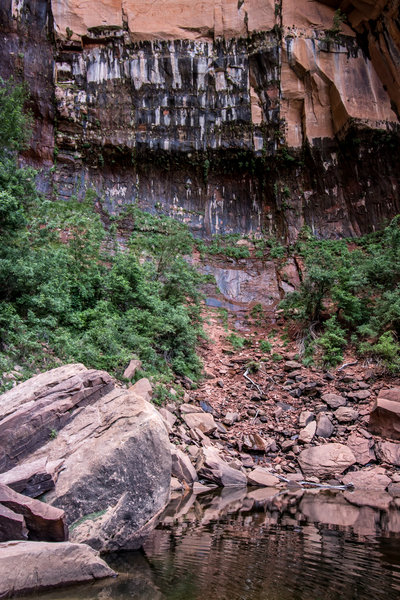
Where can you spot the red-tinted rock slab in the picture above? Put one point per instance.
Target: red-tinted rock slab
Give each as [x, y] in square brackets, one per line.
[385, 416]
[44, 522]
[12, 526]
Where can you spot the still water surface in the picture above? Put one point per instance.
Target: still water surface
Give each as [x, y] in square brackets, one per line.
[259, 545]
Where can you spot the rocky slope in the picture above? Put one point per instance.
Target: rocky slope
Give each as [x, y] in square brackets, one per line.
[264, 419]
[234, 116]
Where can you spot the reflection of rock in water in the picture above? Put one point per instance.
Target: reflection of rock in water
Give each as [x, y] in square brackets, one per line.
[134, 582]
[262, 544]
[298, 545]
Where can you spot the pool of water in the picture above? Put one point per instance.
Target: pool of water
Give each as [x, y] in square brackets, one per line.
[259, 545]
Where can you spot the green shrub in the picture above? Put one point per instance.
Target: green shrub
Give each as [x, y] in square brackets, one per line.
[236, 341]
[332, 341]
[358, 286]
[265, 346]
[224, 245]
[387, 349]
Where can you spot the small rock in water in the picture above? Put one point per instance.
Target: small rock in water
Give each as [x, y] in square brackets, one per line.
[261, 477]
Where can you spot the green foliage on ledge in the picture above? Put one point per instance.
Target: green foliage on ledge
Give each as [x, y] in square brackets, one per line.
[350, 293]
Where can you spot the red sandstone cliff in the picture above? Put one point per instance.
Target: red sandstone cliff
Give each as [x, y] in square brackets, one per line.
[231, 114]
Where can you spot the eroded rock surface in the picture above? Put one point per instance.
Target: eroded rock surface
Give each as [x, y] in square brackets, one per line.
[44, 522]
[36, 566]
[110, 459]
[385, 416]
[326, 460]
[34, 410]
[215, 104]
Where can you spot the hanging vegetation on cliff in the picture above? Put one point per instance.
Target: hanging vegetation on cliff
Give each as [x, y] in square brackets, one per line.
[70, 292]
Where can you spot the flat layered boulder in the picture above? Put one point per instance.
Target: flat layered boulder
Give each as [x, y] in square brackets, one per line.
[44, 522]
[34, 411]
[326, 460]
[37, 566]
[12, 525]
[106, 464]
[385, 416]
[32, 478]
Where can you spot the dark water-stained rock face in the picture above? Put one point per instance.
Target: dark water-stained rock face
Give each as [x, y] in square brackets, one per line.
[231, 116]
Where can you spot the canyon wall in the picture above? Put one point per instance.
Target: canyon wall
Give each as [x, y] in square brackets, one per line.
[233, 115]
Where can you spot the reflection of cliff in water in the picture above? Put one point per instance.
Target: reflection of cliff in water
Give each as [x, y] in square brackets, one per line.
[260, 545]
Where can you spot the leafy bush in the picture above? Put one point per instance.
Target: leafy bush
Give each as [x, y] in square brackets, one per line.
[387, 349]
[332, 341]
[225, 245]
[358, 286]
[265, 346]
[236, 341]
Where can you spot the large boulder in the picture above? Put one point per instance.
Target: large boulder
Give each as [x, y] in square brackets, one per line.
[116, 470]
[110, 458]
[326, 460]
[385, 416]
[36, 566]
[37, 409]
